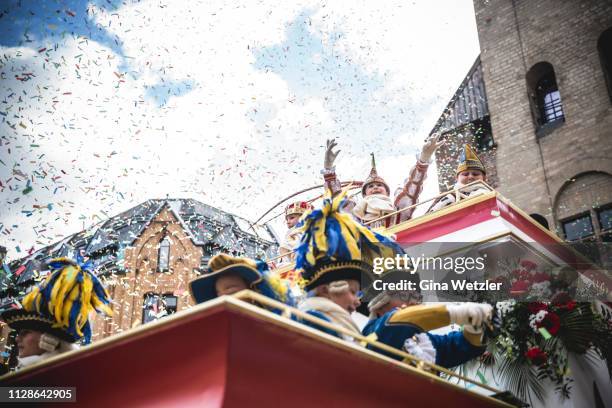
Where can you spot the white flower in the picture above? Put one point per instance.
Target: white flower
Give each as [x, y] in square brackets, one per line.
[534, 319]
[540, 290]
[505, 307]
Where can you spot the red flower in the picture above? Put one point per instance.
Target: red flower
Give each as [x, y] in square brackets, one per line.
[536, 355]
[519, 287]
[569, 306]
[530, 266]
[535, 307]
[551, 322]
[561, 298]
[564, 301]
[521, 274]
[540, 277]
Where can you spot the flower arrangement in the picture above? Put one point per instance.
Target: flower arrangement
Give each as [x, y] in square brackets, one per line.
[537, 323]
[533, 340]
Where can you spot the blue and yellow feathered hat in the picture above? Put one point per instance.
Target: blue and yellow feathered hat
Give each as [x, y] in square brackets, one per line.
[254, 272]
[61, 304]
[336, 247]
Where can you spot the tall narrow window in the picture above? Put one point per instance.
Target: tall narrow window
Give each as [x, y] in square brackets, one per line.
[163, 257]
[604, 216]
[546, 102]
[550, 100]
[604, 46]
[156, 306]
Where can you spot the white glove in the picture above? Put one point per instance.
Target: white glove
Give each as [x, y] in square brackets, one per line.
[429, 148]
[473, 314]
[330, 155]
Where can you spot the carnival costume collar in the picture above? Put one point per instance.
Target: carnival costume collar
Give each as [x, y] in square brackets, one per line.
[334, 312]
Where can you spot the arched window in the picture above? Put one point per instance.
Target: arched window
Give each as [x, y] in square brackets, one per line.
[604, 46]
[545, 98]
[163, 256]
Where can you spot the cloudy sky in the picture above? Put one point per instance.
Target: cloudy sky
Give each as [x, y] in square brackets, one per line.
[105, 104]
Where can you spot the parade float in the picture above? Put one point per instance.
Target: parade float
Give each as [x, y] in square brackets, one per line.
[552, 343]
[230, 353]
[233, 352]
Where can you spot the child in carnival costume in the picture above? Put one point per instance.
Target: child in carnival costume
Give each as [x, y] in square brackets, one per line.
[226, 275]
[398, 319]
[293, 212]
[376, 201]
[54, 315]
[469, 170]
[332, 259]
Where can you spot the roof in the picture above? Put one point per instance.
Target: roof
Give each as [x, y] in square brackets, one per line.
[469, 103]
[205, 225]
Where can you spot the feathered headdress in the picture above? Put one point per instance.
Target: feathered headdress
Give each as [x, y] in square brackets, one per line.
[61, 304]
[335, 247]
[273, 286]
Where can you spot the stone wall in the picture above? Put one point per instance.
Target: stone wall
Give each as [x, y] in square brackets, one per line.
[514, 36]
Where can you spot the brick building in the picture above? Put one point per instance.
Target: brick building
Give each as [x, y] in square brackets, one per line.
[146, 257]
[538, 106]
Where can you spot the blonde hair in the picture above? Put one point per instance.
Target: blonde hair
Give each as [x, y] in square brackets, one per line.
[338, 287]
[49, 343]
[335, 288]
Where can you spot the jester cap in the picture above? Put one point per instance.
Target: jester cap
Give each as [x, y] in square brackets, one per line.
[336, 247]
[373, 177]
[469, 160]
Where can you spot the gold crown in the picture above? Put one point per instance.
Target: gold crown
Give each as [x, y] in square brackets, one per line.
[298, 207]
